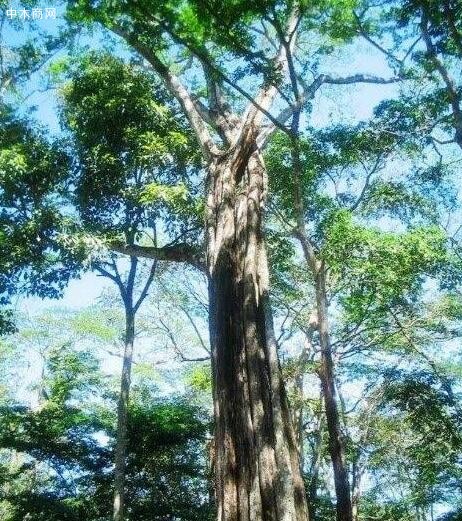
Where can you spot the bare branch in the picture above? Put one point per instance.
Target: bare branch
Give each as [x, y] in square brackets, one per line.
[114, 277]
[362, 31]
[147, 285]
[309, 91]
[176, 347]
[178, 253]
[358, 78]
[366, 185]
[196, 329]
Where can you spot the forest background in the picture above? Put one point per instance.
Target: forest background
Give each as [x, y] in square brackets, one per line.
[115, 299]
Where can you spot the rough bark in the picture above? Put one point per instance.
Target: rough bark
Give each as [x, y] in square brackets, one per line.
[326, 373]
[314, 470]
[122, 417]
[257, 468]
[356, 490]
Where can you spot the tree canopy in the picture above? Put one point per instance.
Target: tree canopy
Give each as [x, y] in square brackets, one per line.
[230, 261]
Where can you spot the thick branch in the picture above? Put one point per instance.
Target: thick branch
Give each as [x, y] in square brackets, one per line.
[219, 113]
[177, 89]
[309, 91]
[228, 120]
[177, 253]
[261, 103]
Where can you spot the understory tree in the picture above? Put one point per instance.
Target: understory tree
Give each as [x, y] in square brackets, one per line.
[128, 144]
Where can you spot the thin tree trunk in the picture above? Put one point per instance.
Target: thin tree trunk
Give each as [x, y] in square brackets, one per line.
[356, 491]
[326, 373]
[300, 392]
[122, 417]
[315, 466]
[298, 414]
[257, 467]
[356, 495]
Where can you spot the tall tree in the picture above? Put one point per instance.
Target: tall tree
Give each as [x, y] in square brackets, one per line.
[331, 176]
[258, 473]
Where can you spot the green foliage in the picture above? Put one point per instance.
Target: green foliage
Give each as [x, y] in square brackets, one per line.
[389, 511]
[131, 161]
[200, 379]
[55, 444]
[418, 433]
[33, 178]
[58, 456]
[94, 324]
[177, 198]
[25, 53]
[222, 34]
[345, 195]
[427, 109]
[386, 267]
[128, 141]
[166, 462]
[377, 230]
[395, 198]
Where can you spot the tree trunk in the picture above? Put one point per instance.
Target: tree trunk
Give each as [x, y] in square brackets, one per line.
[298, 413]
[315, 466]
[122, 416]
[336, 445]
[257, 469]
[356, 491]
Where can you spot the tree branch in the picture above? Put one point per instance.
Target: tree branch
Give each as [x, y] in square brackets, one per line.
[176, 347]
[178, 253]
[261, 103]
[454, 97]
[114, 277]
[147, 285]
[177, 89]
[309, 91]
[362, 31]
